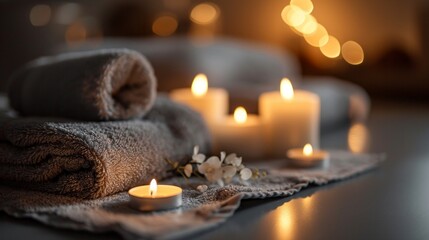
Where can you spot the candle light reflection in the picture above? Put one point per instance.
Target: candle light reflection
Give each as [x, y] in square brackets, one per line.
[358, 138]
[284, 222]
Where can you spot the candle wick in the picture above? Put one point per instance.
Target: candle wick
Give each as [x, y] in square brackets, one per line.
[151, 193]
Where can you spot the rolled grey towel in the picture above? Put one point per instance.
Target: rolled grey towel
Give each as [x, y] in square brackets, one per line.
[95, 159]
[96, 85]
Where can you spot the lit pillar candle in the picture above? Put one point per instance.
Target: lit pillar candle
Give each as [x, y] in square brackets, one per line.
[211, 103]
[155, 197]
[291, 119]
[241, 134]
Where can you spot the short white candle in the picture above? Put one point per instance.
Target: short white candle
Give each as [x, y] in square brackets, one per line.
[241, 134]
[211, 103]
[307, 157]
[291, 118]
[155, 197]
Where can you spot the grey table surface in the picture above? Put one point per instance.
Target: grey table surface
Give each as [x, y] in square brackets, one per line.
[391, 202]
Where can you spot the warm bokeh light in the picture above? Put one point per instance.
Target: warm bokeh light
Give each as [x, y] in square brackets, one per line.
[352, 52]
[332, 48]
[308, 26]
[318, 37]
[240, 115]
[293, 16]
[164, 26]
[304, 5]
[307, 150]
[153, 187]
[286, 89]
[199, 85]
[204, 13]
[358, 138]
[75, 33]
[40, 15]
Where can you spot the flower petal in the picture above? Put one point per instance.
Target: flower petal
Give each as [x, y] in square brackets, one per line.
[222, 156]
[245, 173]
[229, 159]
[233, 159]
[214, 175]
[188, 170]
[229, 172]
[213, 162]
[199, 158]
[196, 149]
[202, 168]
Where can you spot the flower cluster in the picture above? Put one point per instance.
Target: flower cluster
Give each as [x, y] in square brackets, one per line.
[220, 169]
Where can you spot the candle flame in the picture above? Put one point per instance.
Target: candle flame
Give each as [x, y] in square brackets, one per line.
[286, 89]
[240, 115]
[308, 149]
[153, 187]
[199, 85]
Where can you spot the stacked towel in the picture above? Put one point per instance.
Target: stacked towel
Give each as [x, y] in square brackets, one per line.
[95, 85]
[95, 159]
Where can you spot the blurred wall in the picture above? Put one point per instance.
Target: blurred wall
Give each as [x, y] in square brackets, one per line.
[377, 25]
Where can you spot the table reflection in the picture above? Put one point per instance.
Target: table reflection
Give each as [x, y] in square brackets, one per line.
[358, 138]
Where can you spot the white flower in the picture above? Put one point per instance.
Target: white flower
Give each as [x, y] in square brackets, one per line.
[198, 157]
[240, 167]
[202, 188]
[233, 160]
[211, 169]
[188, 170]
[228, 172]
[245, 174]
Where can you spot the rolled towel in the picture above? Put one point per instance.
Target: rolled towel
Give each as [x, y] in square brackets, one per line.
[96, 85]
[95, 159]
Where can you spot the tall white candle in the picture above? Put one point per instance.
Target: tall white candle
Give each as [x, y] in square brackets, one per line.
[291, 119]
[211, 103]
[241, 134]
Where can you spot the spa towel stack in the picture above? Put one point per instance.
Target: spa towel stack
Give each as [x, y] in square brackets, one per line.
[60, 143]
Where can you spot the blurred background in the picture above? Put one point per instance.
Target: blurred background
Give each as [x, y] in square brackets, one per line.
[379, 45]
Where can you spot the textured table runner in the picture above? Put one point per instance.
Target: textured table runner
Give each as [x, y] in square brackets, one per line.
[199, 211]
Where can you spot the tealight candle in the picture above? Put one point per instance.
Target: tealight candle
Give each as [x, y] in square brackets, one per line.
[155, 197]
[291, 118]
[306, 157]
[241, 133]
[211, 103]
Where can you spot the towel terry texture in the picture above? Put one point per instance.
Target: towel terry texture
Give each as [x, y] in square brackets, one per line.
[95, 85]
[199, 211]
[95, 159]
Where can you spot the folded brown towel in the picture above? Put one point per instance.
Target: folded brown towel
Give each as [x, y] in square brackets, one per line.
[95, 85]
[95, 159]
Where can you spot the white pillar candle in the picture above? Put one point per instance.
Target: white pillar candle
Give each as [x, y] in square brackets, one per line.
[241, 134]
[291, 119]
[211, 103]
